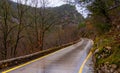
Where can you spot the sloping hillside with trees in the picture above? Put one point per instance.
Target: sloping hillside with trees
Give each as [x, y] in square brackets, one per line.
[25, 30]
[105, 23]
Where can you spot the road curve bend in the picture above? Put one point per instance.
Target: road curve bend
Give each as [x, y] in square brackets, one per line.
[67, 60]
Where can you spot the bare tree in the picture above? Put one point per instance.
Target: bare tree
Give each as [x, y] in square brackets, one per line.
[21, 10]
[6, 28]
[43, 20]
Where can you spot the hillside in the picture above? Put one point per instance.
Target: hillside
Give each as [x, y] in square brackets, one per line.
[26, 30]
[65, 13]
[105, 21]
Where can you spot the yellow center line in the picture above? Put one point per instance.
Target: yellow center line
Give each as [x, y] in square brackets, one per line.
[82, 66]
[14, 68]
[22, 65]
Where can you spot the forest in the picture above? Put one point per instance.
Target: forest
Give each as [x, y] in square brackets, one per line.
[27, 29]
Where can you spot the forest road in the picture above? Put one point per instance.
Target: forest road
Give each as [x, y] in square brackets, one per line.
[66, 60]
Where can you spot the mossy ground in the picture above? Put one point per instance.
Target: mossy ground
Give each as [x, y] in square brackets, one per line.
[103, 41]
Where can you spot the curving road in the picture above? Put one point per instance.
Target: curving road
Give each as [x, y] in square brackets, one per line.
[67, 60]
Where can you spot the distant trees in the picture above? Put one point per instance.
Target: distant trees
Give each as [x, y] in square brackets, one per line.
[25, 29]
[44, 19]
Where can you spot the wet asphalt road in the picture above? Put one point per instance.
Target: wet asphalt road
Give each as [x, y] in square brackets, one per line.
[67, 60]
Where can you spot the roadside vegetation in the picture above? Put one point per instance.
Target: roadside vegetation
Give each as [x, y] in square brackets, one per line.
[25, 30]
[105, 21]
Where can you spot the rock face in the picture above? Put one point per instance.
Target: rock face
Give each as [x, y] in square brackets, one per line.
[106, 67]
[105, 53]
[114, 66]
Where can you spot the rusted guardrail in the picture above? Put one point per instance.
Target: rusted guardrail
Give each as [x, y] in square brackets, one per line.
[22, 59]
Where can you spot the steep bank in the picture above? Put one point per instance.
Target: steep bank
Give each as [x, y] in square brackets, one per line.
[107, 53]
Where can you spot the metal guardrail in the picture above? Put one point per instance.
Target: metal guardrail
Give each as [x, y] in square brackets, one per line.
[22, 59]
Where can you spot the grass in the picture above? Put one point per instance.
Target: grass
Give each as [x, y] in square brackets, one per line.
[115, 57]
[104, 41]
